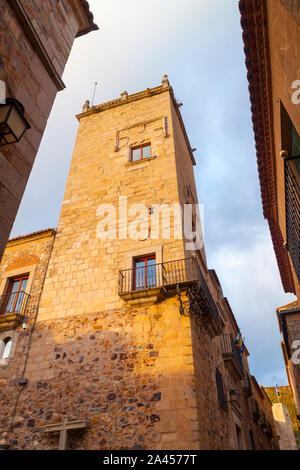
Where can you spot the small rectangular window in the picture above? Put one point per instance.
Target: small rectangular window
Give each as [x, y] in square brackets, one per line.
[13, 301]
[140, 152]
[144, 275]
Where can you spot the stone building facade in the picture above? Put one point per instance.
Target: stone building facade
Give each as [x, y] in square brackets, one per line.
[285, 415]
[142, 361]
[271, 34]
[36, 38]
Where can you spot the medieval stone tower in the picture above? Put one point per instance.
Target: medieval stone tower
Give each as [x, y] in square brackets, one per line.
[134, 147]
[129, 338]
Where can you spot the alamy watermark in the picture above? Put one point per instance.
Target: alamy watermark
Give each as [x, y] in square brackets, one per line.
[158, 221]
[296, 94]
[296, 354]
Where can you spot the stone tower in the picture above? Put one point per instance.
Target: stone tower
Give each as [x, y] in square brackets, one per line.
[145, 358]
[133, 150]
[133, 341]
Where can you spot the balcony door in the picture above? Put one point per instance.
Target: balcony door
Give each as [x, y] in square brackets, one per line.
[14, 298]
[144, 275]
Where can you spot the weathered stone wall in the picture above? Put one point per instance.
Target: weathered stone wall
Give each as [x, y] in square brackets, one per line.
[287, 399]
[132, 373]
[284, 39]
[129, 372]
[27, 254]
[262, 441]
[293, 7]
[84, 270]
[285, 429]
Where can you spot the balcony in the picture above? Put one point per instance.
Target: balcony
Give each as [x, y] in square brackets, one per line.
[154, 281]
[202, 307]
[292, 208]
[246, 386]
[13, 310]
[231, 356]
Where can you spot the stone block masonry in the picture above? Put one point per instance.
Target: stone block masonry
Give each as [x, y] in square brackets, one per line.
[129, 372]
[140, 372]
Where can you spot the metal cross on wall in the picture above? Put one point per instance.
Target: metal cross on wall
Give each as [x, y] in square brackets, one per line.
[63, 428]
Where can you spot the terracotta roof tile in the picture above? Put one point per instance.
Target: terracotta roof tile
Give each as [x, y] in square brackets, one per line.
[257, 63]
[33, 234]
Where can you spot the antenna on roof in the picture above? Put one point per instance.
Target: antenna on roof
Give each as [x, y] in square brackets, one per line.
[277, 392]
[95, 87]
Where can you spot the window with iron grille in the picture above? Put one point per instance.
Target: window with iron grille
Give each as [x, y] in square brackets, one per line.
[220, 389]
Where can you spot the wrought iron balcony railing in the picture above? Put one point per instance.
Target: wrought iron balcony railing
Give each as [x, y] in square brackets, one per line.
[173, 277]
[292, 207]
[231, 355]
[14, 304]
[202, 306]
[172, 273]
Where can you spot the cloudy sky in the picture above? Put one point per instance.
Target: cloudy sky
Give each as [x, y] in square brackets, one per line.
[199, 45]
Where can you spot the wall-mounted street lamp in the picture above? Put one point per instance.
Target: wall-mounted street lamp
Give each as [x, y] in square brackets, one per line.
[13, 123]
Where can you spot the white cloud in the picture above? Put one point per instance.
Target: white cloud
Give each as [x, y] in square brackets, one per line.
[251, 281]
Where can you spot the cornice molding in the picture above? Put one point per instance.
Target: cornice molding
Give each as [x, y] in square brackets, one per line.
[120, 102]
[138, 96]
[31, 237]
[84, 17]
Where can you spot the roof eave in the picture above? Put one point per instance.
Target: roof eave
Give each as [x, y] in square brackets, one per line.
[33, 235]
[149, 92]
[254, 26]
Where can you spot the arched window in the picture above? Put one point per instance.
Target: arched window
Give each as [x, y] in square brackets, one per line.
[7, 348]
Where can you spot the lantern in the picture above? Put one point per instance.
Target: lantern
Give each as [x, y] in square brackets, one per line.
[13, 123]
